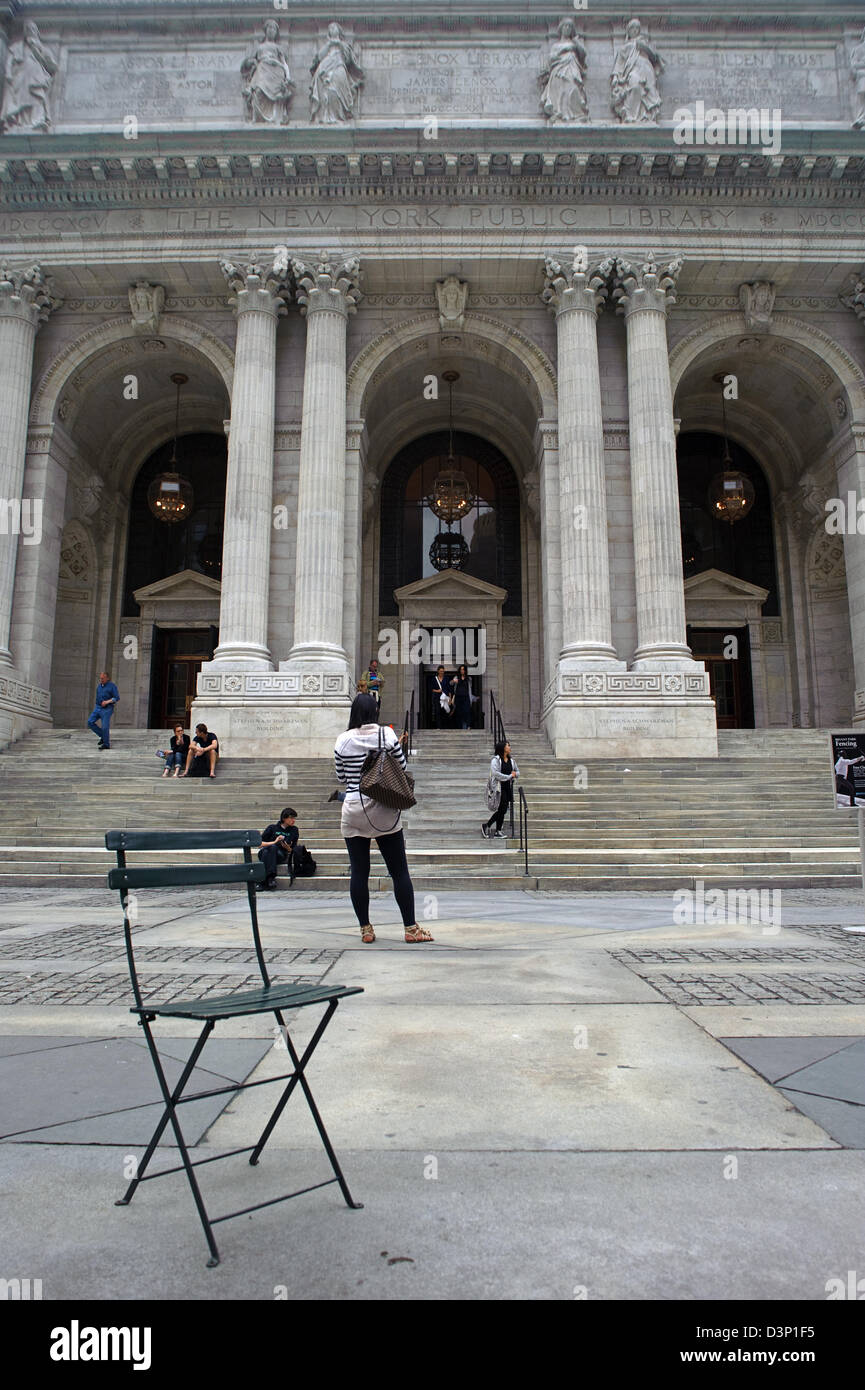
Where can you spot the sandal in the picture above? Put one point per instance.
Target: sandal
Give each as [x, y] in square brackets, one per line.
[417, 933]
[367, 935]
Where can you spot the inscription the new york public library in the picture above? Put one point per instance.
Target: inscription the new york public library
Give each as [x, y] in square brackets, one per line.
[276, 220]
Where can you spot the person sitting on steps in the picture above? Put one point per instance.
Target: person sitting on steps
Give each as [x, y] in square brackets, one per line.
[203, 750]
[277, 845]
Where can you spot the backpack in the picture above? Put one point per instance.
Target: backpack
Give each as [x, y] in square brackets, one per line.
[493, 792]
[302, 863]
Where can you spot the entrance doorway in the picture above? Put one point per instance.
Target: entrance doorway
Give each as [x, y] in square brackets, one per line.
[727, 656]
[178, 654]
[427, 704]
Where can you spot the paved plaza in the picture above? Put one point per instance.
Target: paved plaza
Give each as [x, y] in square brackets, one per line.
[565, 1096]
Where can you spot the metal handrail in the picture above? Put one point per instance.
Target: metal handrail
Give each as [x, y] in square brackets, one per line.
[524, 818]
[408, 726]
[498, 728]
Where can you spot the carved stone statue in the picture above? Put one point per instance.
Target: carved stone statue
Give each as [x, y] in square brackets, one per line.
[336, 78]
[268, 88]
[634, 80]
[563, 97]
[452, 296]
[757, 301]
[146, 302]
[857, 72]
[30, 70]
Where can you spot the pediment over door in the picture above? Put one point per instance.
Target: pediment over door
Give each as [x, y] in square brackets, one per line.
[716, 596]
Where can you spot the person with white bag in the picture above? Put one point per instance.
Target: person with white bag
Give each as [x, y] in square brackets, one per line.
[504, 771]
[364, 819]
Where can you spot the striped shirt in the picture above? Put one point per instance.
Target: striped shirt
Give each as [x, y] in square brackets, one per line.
[351, 750]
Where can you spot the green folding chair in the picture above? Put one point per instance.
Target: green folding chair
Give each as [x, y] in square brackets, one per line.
[270, 998]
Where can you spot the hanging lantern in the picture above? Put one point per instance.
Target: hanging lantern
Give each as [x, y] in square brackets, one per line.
[731, 495]
[170, 496]
[448, 551]
[451, 497]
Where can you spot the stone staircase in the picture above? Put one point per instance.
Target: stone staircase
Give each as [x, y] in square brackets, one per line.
[760, 815]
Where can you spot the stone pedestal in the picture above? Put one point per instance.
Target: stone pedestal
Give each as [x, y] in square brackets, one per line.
[26, 300]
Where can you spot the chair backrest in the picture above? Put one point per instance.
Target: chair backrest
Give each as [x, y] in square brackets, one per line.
[124, 879]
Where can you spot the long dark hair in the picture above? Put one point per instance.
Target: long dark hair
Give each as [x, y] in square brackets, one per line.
[500, 750]
[364, 710]
[460, 670]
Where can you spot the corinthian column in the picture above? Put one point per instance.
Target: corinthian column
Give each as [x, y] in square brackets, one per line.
[576, 296]
[327, 294]
[258, 299]
[644, 294]
[26, 300]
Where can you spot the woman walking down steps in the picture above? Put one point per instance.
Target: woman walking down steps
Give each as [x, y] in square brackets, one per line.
[364, 819]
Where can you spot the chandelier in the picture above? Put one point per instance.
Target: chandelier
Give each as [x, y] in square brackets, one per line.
[170, 496]
[451, 497]
[731, 492]
[448, 551]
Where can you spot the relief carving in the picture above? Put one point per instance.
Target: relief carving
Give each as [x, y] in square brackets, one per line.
[452, 297]
[757, 302]
[30, 72]
[336, 80]
[146, 302]
[267, 85]
[563, 80]
[634, 94]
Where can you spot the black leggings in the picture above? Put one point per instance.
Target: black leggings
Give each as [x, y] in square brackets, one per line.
[499, 815]
[392, 849]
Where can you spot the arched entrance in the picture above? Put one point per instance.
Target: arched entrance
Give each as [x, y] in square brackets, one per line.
[399, 397]
[731, 581]
[455, 582]
[172, 577]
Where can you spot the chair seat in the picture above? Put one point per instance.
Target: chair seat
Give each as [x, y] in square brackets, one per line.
[250, 1001]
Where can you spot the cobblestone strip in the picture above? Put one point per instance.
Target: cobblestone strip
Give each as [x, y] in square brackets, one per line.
[745, 954]
[760, 989]
[56, 988]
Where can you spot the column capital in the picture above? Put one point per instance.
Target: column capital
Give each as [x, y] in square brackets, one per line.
[576, 288]
[261, 285]
[27, 294]
[330, 285]
[647, 286]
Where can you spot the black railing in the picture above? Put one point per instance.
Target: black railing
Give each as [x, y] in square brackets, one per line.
[408, 727]
[497, 728]
[524, 826]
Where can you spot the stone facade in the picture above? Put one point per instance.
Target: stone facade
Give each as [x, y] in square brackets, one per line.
[314, 213]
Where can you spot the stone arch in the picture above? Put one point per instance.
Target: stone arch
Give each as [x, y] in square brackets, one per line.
[537, 369]
[825, 349]
[75, 355]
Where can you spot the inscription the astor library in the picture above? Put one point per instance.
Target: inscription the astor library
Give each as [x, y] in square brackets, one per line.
[279, 220]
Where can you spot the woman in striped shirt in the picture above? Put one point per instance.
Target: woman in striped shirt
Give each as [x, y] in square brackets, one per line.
[364, 819]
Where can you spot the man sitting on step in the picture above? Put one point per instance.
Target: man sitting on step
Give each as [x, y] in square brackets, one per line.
[277, 846]
[203, 753]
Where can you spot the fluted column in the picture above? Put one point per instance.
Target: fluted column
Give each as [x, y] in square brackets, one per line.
[259, 293]
[26, 300]
[644, 293]
[575, 296]
[327, 294]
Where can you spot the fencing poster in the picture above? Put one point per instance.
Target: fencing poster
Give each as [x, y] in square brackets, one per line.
[848, 761]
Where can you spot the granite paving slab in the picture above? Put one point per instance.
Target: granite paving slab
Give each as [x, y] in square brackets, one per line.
[105, 1091]
[775, 1058]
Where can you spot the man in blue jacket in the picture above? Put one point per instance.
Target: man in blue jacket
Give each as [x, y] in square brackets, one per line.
[107, 696]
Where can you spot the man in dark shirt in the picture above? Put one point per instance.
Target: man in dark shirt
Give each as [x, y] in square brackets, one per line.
[203, 752]
[277, 844]
[107, 696]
